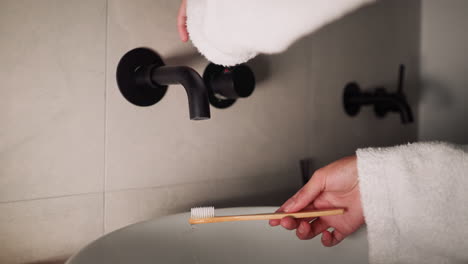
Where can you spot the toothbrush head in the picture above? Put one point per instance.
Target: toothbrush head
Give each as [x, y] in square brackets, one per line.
[202, 212]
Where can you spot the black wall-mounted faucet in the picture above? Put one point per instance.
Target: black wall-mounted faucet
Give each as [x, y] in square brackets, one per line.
[383, 101]
[143, 79]
[192, 82]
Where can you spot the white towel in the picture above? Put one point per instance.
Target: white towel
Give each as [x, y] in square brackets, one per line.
[229, 32]
[415, 203]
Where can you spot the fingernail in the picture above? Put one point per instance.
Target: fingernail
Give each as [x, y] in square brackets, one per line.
[289, 206]
[301, 229]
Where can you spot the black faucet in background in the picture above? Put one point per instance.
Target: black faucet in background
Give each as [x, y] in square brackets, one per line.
[383, 101]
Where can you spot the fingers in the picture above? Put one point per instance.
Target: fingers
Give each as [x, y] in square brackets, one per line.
[305, 195]
[304, 229]
[181, 21]
[289, 223]
[330, 239]
[308, 230]
[276, 222]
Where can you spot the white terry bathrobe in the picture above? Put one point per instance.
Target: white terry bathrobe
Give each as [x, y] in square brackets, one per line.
[415, 202]
[414, 197]
[229, 32]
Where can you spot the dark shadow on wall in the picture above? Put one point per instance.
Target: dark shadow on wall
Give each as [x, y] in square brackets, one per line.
[443, 111]
[183, 57]
[435, 92]
[260, 65]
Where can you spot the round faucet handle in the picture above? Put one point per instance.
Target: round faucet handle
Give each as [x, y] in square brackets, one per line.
[227, 84]
[233, 83]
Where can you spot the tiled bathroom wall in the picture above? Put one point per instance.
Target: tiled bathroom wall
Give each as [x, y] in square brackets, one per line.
[444, 97]
[52, 115]
[78, 161]
[366, 47]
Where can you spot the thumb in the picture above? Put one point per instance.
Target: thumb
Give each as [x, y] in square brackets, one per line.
[181, 21]
[305, 195]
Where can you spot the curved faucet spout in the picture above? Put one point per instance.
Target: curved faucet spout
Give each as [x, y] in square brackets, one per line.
[395, 103]
[401, 106]
[197, 93]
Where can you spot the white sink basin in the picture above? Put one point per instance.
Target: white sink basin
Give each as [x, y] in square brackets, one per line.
[172, 240]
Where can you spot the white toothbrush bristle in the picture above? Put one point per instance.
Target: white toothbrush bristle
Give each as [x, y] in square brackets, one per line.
[202, 212]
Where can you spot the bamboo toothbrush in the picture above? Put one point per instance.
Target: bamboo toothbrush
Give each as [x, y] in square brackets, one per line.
[204, 215]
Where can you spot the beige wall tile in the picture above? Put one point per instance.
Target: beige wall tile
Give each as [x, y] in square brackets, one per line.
[443, 107]
[159, 145]
[52, 90]
[131, 206]
[48, 229]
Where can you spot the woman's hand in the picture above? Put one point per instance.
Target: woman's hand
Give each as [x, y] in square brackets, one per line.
[334, 186]
[181, 21]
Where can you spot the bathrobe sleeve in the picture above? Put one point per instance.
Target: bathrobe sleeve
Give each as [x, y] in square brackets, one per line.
[229, 32]
[415, 202]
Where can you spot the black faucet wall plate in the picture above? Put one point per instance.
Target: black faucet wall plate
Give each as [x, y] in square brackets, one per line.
[139, 92]
[351, 90]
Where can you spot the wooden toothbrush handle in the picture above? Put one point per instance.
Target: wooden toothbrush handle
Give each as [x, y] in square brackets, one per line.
[230, 218]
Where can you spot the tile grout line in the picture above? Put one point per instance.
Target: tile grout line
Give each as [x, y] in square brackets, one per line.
[128, 189]
[48, 197]
[205, 181]
[308, 73]
[306, 108]
[104, 181]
